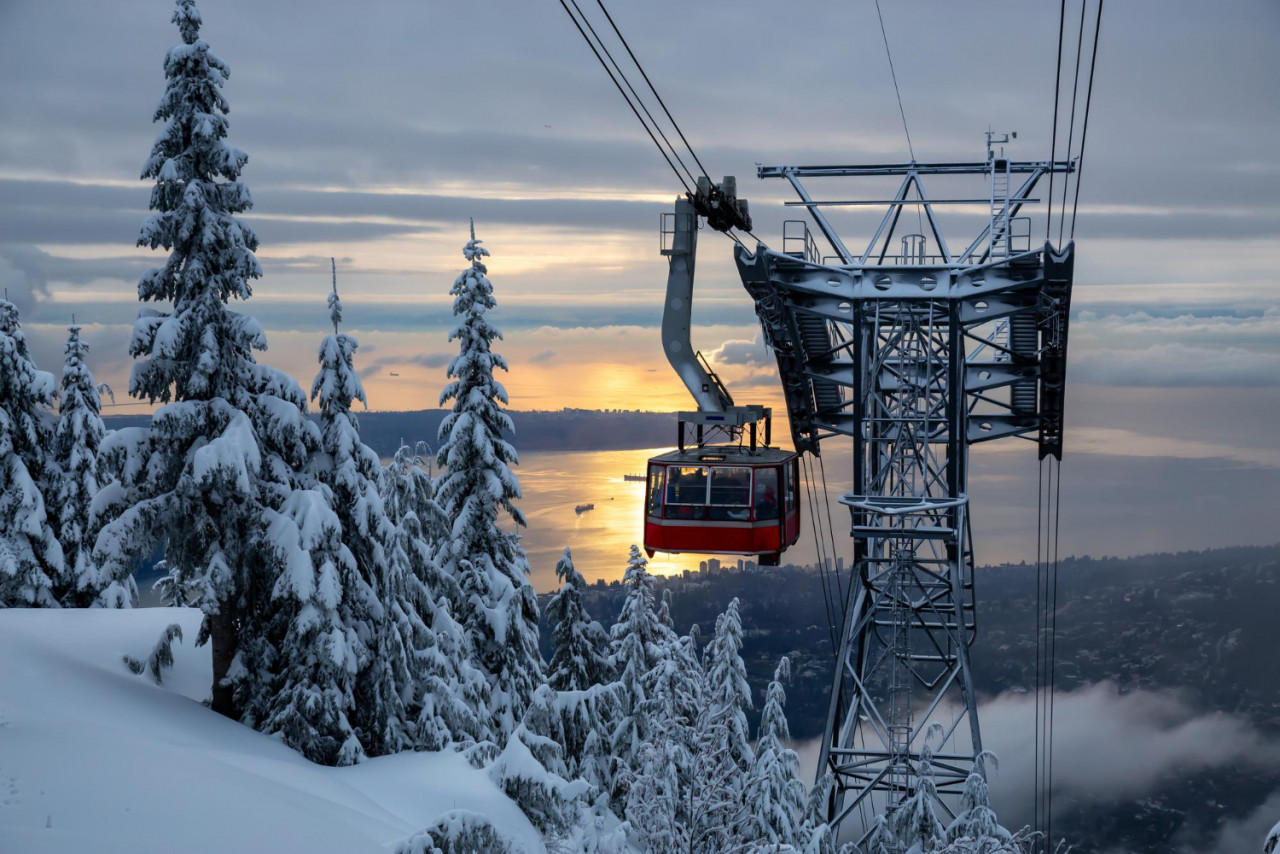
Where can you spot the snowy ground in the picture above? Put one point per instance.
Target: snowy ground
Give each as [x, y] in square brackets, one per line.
[93, 758]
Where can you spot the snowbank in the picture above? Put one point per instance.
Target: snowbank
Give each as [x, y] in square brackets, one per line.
[94, 758]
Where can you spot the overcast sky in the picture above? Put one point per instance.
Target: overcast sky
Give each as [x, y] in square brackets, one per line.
[374, 130]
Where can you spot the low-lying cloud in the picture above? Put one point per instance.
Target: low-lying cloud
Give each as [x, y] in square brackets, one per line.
[1177, 366]
[739, 351]
[1108, 746]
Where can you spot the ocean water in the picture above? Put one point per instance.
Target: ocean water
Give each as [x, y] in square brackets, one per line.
[555, 482]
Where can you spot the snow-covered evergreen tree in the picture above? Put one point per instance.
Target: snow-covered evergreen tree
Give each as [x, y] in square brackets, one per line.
[780, 798]
[352, 472]
[227, 446]
[531, 767]
[449, 692]
[693, 785]
[582, 675]
[497, 603]
[817, 835]
[914, 821]
[311, 703]
[976, 819]
[31, 558]
[457, 832]
[721, 790]
[77, 438]
[655, 799]
[580, 647]
[160, 657]
[407, 489]
[638, 640]
[730, 695]
[912, 826]
[600, 832]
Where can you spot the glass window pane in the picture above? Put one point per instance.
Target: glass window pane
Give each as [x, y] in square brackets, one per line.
[766, 494]
[686, 485]
[730, 486]
[655, 489]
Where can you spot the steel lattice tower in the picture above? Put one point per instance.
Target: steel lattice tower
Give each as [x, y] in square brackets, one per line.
[914, 355]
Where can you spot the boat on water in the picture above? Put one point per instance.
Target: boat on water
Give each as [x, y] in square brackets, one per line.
[583, 508]
[638, 477]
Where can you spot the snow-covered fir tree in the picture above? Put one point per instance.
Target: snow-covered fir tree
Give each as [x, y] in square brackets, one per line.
[780, 796]
[693, 785]
[730, 695]
[311, 703]
[976, 820]
[582, 676]
[229, 443]
[531, 767]
[497, 604]
[448, 691]
[31, 558]
[655, 800]
[912, 826]
[457, 832]
[637, 641]
[76, 441]
[723, 791]
[580, 646]
[817, 834]
[660, 802]
[352, 472]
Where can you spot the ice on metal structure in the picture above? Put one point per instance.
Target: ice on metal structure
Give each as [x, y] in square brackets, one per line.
[914, 350]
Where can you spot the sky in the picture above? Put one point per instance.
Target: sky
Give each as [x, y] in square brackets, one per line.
[374, 131]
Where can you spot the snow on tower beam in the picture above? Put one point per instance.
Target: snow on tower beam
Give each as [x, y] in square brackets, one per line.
[914, 356]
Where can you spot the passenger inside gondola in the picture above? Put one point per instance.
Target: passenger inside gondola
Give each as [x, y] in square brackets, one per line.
[766, 494]
[686, 493]
[730, 498]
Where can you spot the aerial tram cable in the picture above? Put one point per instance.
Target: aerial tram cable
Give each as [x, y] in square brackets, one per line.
[623, 93]
[635, 94]
[1088, 102]
[1083, 35]
[1053, 140]
[1071, 123]
[819, 544]
[1049, 495]
[708, 197]
[894, 75]
[835, 570]
[652, 89]
[1053, 628]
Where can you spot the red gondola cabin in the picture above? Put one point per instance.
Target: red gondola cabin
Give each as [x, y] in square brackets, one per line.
[723, 500]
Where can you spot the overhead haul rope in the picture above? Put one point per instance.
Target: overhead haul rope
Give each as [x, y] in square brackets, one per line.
[815, 522]
[633, 91]
[652, 89]
[1048, 516]
[1053, 142]
[831, 537]
[1088, 102]
[622, 92]
[1071, 123]
[1082, 36]
[1048, 500]
[894, 74]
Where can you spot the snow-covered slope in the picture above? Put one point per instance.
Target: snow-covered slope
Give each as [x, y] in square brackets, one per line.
[94, 758]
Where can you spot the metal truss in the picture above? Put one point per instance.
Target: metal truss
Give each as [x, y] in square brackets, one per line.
[914, 356]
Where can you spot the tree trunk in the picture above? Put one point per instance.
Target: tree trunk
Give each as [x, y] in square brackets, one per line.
[222, 640]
